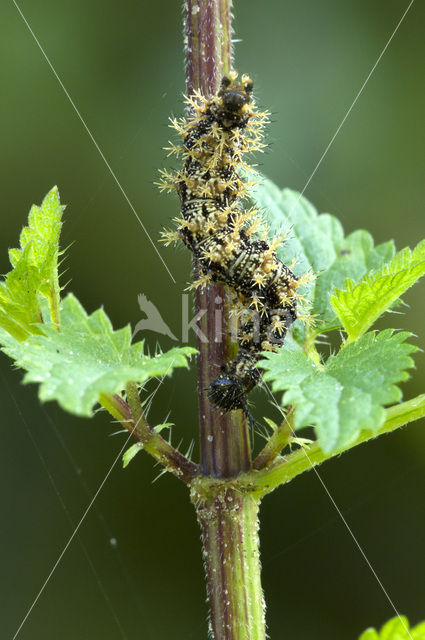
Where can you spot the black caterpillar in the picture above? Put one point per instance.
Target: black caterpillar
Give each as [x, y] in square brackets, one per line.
[218, 133]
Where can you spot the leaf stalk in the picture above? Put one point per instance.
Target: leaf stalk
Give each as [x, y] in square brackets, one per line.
[131, 416]
[286, 468]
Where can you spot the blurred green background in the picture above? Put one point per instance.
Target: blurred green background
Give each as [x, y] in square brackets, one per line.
[135, 569]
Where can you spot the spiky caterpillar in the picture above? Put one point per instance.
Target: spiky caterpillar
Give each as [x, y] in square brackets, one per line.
[217, 134]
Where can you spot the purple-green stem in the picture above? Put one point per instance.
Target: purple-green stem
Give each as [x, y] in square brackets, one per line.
[229, 524]
[224, 438]
[228, 517]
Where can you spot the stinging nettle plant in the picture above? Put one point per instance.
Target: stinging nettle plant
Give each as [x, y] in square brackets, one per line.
[349, 395]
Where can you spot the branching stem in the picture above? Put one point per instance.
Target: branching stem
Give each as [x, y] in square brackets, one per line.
[130, 414]
[285, 469]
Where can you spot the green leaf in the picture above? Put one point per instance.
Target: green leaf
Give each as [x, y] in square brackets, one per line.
[418, 632]
[396, 629]
[87, 358]
[359, 305]
[35, 271]
[346, 395]
[130, 453]
[376, 363]
[318, 242]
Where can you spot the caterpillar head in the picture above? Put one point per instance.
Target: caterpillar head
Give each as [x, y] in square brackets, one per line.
[227, 393]
[232, 105]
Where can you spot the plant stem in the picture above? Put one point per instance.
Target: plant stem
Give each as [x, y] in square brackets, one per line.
[155, 444]
[208, 41]
[227, 516]
[131, 416]
[229, 525]
[224, 438]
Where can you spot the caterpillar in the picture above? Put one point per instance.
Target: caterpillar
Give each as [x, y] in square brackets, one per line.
[223, 237]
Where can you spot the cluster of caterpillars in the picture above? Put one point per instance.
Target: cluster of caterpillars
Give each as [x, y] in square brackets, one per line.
[223, 236]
